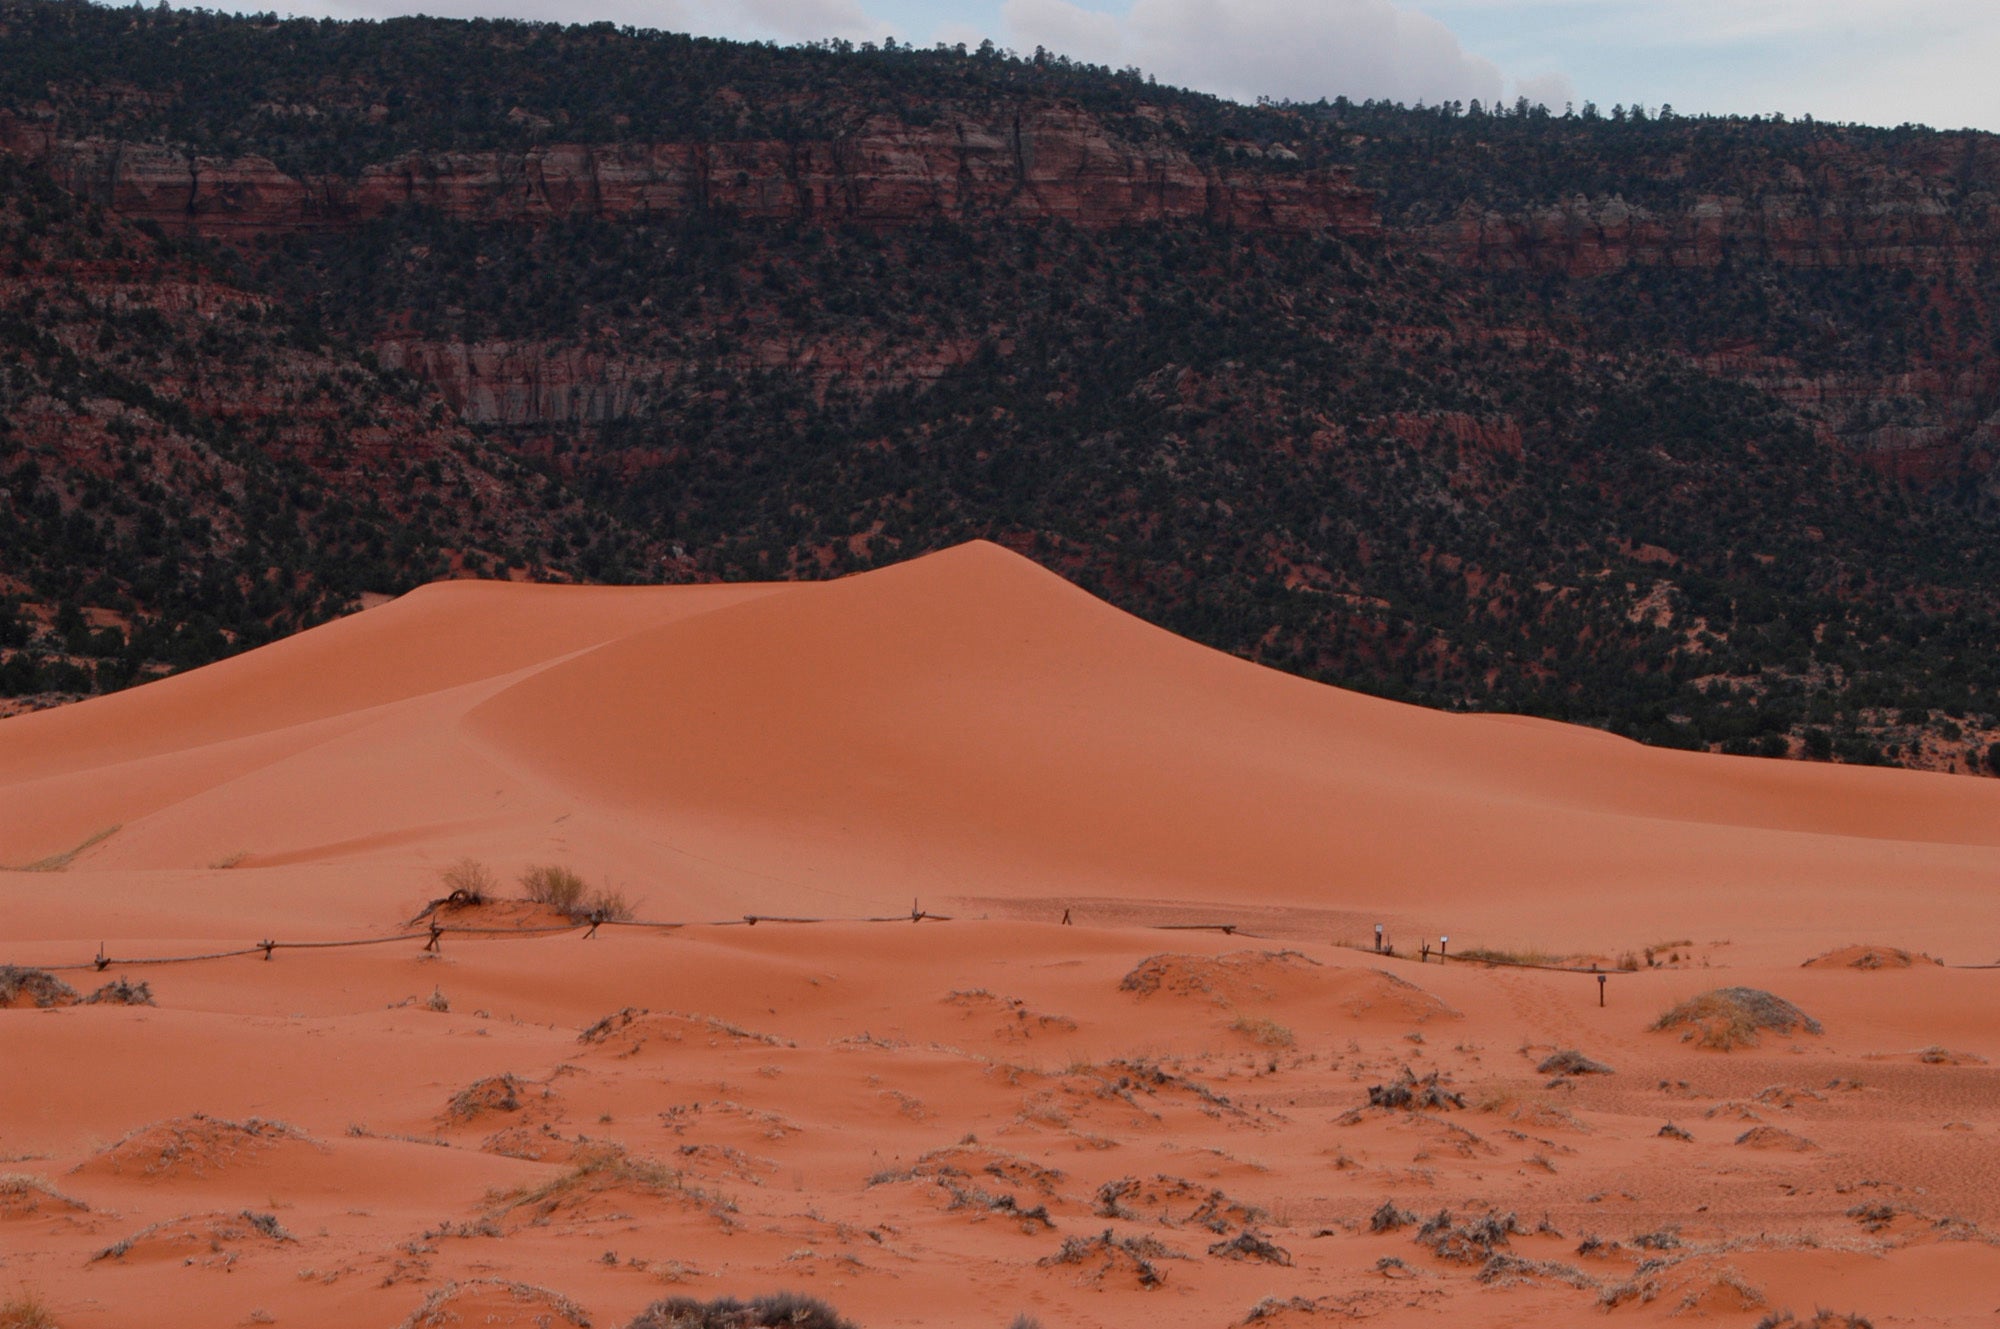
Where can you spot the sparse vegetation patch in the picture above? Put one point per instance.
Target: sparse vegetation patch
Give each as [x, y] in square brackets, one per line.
[1734, 1017]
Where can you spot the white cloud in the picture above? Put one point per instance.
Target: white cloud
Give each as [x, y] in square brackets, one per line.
[1553, 90]
[792, 20]
[1871, 61]
[1301, 49]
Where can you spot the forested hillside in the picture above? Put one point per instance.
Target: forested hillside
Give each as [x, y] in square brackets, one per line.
[1682, 427]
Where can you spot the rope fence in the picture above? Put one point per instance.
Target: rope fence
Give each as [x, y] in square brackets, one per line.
[434, 933]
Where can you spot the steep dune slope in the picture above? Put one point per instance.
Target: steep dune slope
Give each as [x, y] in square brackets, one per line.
[968, 723]
[73, 771]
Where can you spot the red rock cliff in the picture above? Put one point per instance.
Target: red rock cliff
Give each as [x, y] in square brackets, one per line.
[1046, 160]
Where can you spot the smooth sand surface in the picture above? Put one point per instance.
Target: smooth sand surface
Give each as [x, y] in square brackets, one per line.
[939, 1122]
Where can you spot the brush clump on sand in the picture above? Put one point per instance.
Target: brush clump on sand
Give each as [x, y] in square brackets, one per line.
[1870, 957]
[197, 1146]
[1728, 1018]
[1472, 1242]
[779, 1310]
[22, 1195]
[1223, 979]
[601, 1170]
[1389, 1218]
[1112, 1257]
[1249, 1245]
[1571, 1062]
[33, 987]
[122, 992]
[496, 1301]
[565, 891]
[26, 1311]
[1416, 1095]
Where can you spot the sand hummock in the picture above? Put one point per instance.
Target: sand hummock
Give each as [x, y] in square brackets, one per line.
[1109, 1057]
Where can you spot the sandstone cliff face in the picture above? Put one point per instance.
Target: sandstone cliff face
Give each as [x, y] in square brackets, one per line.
[1587, 237]
[1841, 207]
[524, 382]
[1035, 161]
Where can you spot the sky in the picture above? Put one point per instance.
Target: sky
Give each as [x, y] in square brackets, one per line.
[1882, 62]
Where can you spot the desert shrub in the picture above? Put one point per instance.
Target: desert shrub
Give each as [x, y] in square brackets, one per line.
[1264, 1032]
[1471, 1242]
[1248, 1245]
[1407, 1091]
[1571, 1062]
[558, 887]
[446, 1305]
[469, 881]
[1389, 1218]
[1528, 955]
[19, 985]
[778, 1310]
[122, 992]
[611, 906]
[1135, 1254]
[26, 1311]
[1734, 1017]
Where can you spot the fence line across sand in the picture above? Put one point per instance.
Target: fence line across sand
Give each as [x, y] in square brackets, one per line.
[434, 933]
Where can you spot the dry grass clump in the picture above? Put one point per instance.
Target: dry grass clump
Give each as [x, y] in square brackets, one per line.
[1821, 1319]
[122, 992]
[1728, 1018]
[488, 1300]
[1223, 979]
[1503, 1270]
[600, 1169]
[1472, 1242]
[1249, 1245]
[1107, 1256]
[197, 1145]
[1408, 1092]
[22, 1193]
[1771, 1137]
[495, 1093]
[558, 887]
[1529, 955]
[1936, 1055]
[778, 1310]
[25, 1310]
[33, 987]
[1571, 1062]
[1264, 1032]
[469, 882]
[565, 891]
[199, 1232]
[631, 1029]
[1174, 1201]
[1389, 1218]
[1870, 957]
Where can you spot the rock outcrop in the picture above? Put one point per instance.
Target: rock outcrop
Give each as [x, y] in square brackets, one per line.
[1044, 160]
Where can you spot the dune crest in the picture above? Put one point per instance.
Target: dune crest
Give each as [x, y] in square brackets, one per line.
[966, 724]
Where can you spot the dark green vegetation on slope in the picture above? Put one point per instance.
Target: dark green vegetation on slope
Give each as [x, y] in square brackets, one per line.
[1723, 487]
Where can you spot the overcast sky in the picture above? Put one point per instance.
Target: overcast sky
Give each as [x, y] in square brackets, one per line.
[1935, 62]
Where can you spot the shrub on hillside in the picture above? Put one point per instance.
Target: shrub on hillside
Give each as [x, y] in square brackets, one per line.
[778, 1310]
[558, 887]
[1734, 1017]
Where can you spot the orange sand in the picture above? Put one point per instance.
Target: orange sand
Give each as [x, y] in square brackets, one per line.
[911, 1120]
